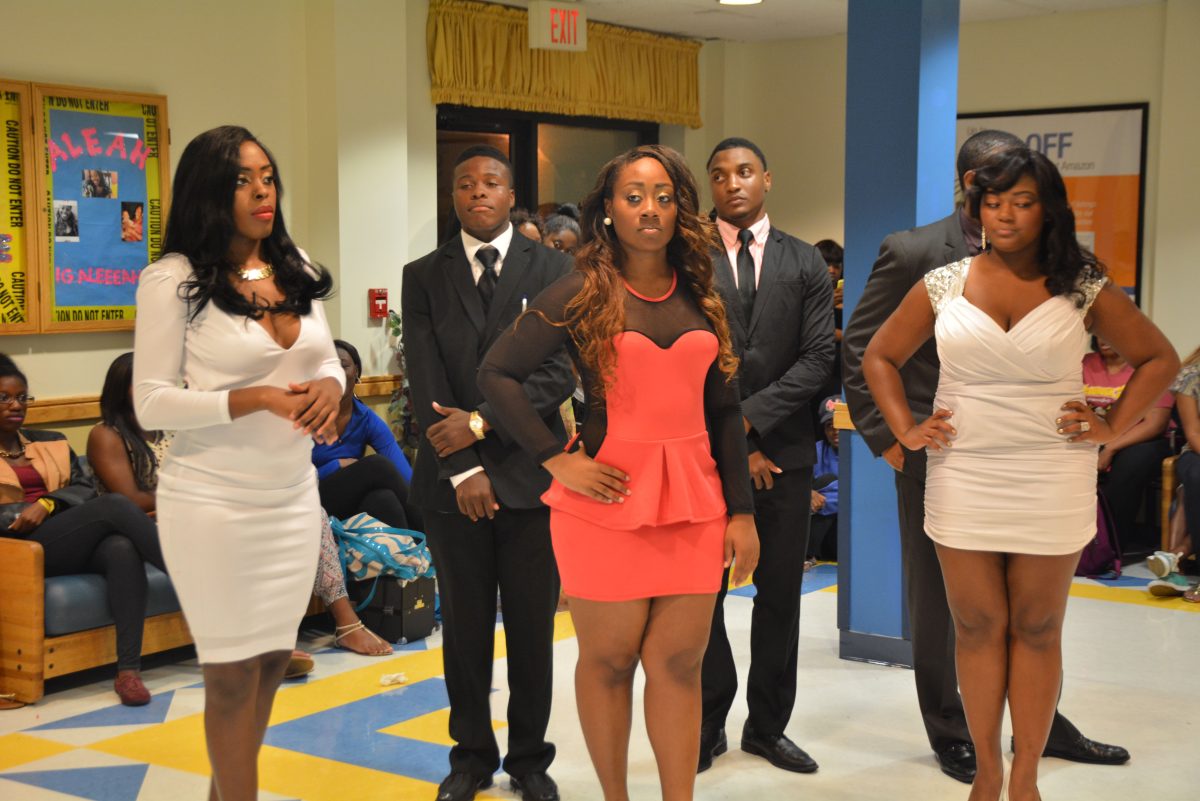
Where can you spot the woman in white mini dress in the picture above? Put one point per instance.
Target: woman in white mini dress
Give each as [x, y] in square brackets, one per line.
[233, 352]
[1010, 498]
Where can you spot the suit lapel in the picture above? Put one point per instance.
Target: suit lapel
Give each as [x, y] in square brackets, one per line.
[458, 270]
[723, 277]
[770, 274]
[956, 241]
[512, 273]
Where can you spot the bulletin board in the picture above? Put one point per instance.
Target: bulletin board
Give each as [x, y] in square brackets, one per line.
[18, 306]
[102, 170]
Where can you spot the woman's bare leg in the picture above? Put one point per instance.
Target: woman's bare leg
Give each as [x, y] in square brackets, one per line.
[978, 595]
[609, 636]
[672, 653]
[1037, 601]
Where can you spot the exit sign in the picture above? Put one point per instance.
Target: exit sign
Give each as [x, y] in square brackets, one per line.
[557, 25]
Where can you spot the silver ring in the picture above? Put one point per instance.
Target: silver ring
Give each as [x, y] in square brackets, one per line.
[1085, 426]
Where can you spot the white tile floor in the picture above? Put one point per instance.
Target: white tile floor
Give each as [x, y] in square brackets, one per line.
[1130, 679]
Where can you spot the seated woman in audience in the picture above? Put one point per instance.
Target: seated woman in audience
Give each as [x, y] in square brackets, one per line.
[1186, 523]
[46, 496]
[561, 232]
[123, 456]
[351, 483]
[526, 224]
[1129, 462]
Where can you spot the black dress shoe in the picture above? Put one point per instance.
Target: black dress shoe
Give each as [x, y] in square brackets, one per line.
[462, 787]
[712, 745]
[535, 787]
[1081, 749]
[778, 750]
[958, 761]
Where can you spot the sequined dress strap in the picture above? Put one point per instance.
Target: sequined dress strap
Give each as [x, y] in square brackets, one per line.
[946, 283]
[1090, 286]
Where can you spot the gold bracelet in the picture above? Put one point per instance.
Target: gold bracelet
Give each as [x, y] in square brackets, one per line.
[49, 504]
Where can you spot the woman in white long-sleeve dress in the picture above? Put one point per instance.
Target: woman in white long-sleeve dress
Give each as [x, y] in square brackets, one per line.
[233, 352]
[1010, 499]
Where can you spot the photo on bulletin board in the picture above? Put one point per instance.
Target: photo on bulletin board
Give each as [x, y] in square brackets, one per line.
[1101, 153]
[102, 172]
[17, 246]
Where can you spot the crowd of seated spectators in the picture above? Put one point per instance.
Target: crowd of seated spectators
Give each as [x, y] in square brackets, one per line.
[558, 229]
[97, 516]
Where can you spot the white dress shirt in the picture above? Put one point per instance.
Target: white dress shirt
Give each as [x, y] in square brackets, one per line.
[472, 246]
[729, 238]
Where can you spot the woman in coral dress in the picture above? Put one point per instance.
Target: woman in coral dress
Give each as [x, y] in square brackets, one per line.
[652, 501]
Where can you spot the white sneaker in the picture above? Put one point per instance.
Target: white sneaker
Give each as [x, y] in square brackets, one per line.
[1162, 563]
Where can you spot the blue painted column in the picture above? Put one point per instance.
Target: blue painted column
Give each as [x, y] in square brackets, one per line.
[901, 102]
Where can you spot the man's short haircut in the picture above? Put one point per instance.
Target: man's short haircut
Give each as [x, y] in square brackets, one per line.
[735, 142]
[978, 147]
[486, 151]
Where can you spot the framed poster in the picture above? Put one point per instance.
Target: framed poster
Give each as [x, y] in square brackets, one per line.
[102, 181]
[1101, 153]
[18, 277]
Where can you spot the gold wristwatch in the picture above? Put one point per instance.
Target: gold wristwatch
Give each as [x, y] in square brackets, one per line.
[476, 425]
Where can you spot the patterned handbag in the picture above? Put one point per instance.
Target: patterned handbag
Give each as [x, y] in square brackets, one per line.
[370, 549]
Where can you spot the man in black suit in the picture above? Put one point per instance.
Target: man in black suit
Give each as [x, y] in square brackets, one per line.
[780, 307]
[478, 489]
[904, 258]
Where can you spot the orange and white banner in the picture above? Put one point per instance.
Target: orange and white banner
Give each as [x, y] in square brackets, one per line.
[1101, 155]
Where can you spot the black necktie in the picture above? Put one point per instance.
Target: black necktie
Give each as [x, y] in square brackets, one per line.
[745, 272]
[488, 257]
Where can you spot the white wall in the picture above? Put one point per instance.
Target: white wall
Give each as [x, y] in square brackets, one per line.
[1177, 234]
[790, 98]
[218, 62]
[340, 92]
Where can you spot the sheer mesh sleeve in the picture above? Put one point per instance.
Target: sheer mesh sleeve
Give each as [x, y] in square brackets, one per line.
[727, 436]
[520, 351]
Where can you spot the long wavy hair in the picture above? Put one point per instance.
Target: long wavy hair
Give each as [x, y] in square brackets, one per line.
[200, 226]
[1060, 256]
[597, 313]
[116, 410]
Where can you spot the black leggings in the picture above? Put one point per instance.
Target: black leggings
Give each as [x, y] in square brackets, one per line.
[111, 536]
[1125, 488]
[372, 485]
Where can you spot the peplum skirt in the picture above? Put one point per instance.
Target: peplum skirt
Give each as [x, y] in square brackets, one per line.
[667, 538]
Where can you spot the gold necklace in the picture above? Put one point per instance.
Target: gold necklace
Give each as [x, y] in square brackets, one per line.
[20, 451]
[255, 273]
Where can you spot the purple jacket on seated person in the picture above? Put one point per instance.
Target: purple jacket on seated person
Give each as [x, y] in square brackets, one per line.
[365, 428]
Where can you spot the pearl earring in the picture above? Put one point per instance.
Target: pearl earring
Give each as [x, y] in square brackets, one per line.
[608, 220]
[983, 238]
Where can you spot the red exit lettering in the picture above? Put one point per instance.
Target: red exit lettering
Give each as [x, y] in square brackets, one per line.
[564, 25]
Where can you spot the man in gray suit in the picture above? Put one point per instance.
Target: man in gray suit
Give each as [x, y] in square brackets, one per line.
[904, 258]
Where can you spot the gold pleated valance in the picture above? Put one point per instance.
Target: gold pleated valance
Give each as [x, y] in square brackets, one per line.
[479, 56]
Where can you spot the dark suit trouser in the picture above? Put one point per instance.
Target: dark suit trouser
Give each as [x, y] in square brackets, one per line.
[932, 629]
[512, 552]
[782, 518]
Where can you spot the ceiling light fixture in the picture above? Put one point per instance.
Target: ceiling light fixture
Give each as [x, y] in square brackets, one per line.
[739, 2]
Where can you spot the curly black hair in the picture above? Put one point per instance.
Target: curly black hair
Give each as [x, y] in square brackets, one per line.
[1064, 263]
[200, 226]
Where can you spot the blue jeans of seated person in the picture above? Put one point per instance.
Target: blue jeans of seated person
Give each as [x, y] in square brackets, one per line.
[113, 537]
